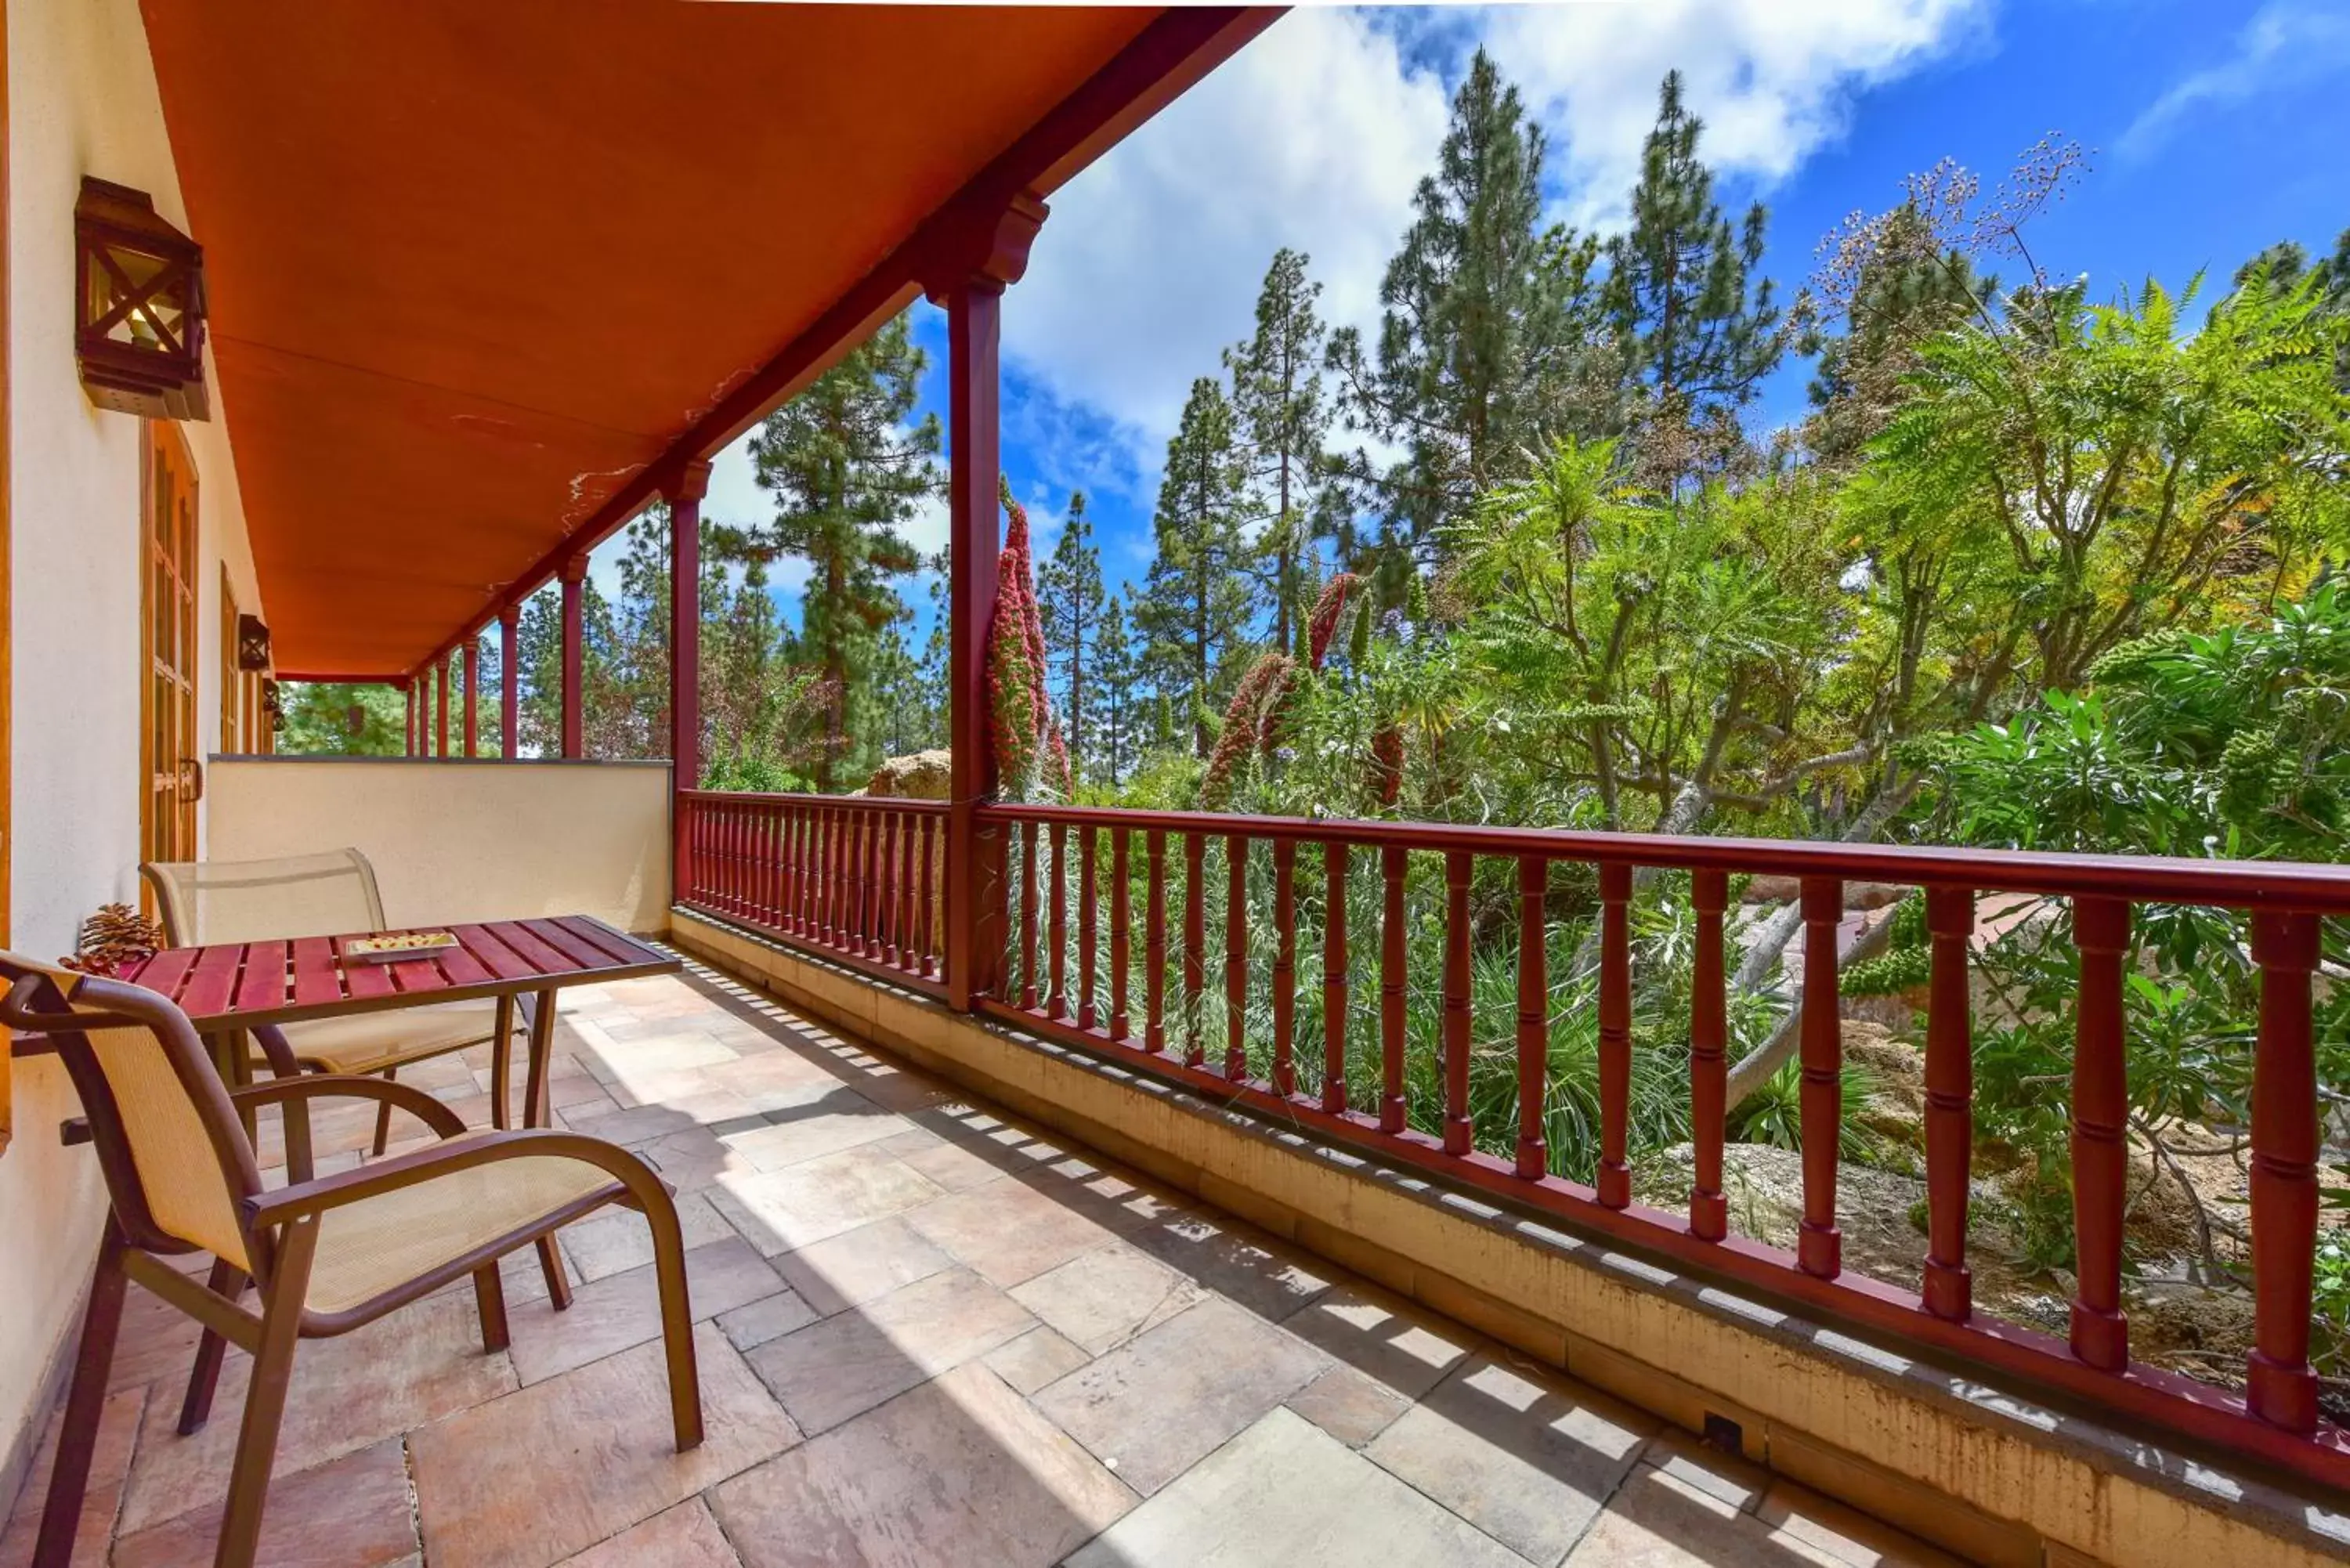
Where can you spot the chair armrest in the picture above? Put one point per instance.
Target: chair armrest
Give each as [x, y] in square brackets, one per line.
[643, 1188]
[333, 1086]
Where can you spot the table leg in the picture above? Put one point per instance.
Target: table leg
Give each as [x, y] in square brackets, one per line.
[537, 1113]
[502, 1065]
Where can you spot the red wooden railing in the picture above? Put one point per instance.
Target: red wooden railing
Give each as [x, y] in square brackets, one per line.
[858, 879]
[785, 865]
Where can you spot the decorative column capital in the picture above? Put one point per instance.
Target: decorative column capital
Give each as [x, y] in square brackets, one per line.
[689, 481]
[573, 572]
[980, 246]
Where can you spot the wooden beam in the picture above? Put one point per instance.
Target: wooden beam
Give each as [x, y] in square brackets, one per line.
[685, 491]
[574, 575]
[510, 682]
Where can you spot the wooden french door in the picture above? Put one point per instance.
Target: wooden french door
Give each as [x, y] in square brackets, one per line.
[170, 760]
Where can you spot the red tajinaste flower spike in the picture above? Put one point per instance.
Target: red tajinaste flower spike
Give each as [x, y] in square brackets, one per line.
[1324, 625]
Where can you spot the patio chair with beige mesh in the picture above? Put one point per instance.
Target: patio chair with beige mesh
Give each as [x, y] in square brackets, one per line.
[327, 1254]
[331, 894]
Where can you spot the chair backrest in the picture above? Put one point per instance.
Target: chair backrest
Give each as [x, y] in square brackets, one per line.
[176, 1159]
[326, 895]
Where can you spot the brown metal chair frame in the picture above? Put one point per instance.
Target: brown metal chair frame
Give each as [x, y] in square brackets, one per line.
[287, 1061]
[280, 1231]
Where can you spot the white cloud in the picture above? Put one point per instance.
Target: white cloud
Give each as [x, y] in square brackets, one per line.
[2284, 45]
[1773, 79]
[1315, 135]
[1312, 137]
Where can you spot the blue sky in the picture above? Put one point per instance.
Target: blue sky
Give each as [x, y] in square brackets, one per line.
[2217, 128]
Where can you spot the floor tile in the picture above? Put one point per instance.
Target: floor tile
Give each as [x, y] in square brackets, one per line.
[1167, 1399]
[350, 1512]
[1395, 1343]
[957, 1166]
[110, 1462]
[772, 1317]
[1285, 1491]
[545, 1472]
[837, 1119]
[1527, 1458]
[614, 1314]
[999, 1489]
[1237, 1262]
[781, 1209]
[858, 1266]
[415, 1366]
[1108, 1296]
[1349, 1405]
[1657, 1520]
[1008, 1232]
[848, 1364]
[619, 1240]
[685, 1536]
[1797, 1516]
[1038, 1358]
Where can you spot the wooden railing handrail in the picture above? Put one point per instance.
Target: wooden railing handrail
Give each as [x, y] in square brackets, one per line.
[2143, 878]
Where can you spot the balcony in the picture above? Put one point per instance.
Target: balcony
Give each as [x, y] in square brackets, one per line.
[931, 1333]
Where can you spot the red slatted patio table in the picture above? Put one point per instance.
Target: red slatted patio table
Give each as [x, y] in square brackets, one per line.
[230, 989]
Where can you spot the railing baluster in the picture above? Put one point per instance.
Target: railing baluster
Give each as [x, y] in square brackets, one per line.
[1533, 1015]
[1391, 989]
[1195, 939]
[886, 831]
[1121, 933]
[877, 894]
[908, 828]
[1235, 957]
[1819, 1245]
[1154, 945]
[1028, 917]
[830, 879]
[1613, 1181]
[2280, 1386]
[1459, 1135]
[2100, 1151]
[926, 896]
[1947, 1289]
[1334, 978]
[1709, 1072]
[1056, 941]
[1088, 886]
[1285, 965]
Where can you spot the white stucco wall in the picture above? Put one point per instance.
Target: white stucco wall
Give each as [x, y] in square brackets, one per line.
[83, 100]
[455, 841]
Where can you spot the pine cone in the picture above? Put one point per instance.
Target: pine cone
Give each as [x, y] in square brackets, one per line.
[116, 935]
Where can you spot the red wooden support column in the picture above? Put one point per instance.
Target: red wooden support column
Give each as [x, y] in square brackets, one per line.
[510, 682]
[966, 278]
[2279, 1385]
[441, 704]
[472, 693]
[572, 576]
[1819, 1244]
[2100, 1115]
[407, 688]
[685, 490]
[1709, 1032]
[1613, 1179]
[1950, 1102]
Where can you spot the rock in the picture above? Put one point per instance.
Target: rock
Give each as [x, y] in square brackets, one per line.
[922, 776]
[1856, 895]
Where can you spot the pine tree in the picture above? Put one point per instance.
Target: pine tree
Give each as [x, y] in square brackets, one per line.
[2287, 263]
[1697, 340]
[1196, 607]
[1069, 601]
[846, 469]
[1117, 674]
[1486, 338]
[901, 716]
[1283, 421]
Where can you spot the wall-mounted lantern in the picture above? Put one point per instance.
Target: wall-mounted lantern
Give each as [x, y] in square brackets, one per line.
[273, 704]
[139, 326]
[252, 644]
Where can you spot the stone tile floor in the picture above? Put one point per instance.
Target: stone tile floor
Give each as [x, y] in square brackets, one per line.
[929, 1335]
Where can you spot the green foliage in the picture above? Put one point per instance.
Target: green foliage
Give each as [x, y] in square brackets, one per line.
[319, 720]
[1070, 612]
[1774, 1114]
[1195, 607]
[1889, 974]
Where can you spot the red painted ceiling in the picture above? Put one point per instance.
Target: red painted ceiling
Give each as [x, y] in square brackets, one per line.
[472, 265]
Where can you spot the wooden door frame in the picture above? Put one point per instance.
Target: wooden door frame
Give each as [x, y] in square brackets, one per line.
[154, 435]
